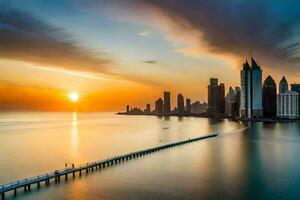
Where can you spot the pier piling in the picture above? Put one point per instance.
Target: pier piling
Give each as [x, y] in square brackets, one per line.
[26, 183]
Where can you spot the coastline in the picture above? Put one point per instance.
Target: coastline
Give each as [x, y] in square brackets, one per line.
[237, 119]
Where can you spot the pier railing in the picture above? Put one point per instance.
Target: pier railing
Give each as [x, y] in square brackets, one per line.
[57, 174]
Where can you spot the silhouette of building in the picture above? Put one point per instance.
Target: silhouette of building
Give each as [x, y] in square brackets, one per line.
[221, 98]
[159, 106]
[167, 102]
[251, 90]
[296, 88]
[147, 109]
[195, 107]
[198, 108]
[269, 97]
[188, 105]
[230, 104]
[213, 97]
[232, 101]
[127, 108]
[237, 91]
[283, 85]
[136, 111]
[180, 104]
[287, 101]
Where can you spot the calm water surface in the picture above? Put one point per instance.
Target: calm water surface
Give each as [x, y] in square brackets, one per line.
[253, 161]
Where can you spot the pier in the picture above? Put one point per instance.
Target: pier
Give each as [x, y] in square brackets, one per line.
[57, 175]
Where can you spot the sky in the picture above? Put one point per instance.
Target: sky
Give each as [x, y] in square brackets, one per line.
[120, 52]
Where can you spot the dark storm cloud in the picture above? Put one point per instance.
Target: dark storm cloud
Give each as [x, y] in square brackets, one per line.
[26, 38]
[269, 27]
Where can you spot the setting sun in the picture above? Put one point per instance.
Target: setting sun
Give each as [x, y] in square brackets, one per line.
[74, 96]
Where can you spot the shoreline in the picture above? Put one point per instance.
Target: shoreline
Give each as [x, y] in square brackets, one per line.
[237, 119]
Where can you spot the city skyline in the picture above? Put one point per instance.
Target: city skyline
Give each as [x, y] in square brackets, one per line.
[110, 50]
[254, 99]
[149, 99]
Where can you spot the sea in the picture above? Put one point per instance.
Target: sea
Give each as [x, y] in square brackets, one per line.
[246, 161]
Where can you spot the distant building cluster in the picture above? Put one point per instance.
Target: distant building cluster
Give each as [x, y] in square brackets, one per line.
[254, 99]
[163, 107]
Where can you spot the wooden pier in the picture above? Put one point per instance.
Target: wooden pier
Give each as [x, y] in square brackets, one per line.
[57, 175]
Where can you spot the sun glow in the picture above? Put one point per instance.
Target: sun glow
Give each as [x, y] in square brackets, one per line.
[74, 96]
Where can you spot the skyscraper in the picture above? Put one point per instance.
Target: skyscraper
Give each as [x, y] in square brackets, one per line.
[180, 104]
[213, 97]
[188, 105]
[197, 107]
[159, 106]
[288, 105]
[251, 90]
[287, 101]
[269, 97]
[283, 85]
[221, 98]
[167, 102]
[148, 108]
[230, 103]
[237, 91]
[296, 88]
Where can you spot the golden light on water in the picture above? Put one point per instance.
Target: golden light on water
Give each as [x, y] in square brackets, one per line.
[74, 96]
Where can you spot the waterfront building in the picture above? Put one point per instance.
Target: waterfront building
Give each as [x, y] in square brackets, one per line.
[237, 91]
[296, 88]
[135, 111]
[269, 97]
[167, 102]
[283, 85]
[180, 104]
[213, 97]
[159, 106]
[251, 90]
[287, 101]
[194, 107]
[147, 109]
[198, 108]
[288, 105]
[127, 108]
[221, 99]
[230, 100]
[188, 105]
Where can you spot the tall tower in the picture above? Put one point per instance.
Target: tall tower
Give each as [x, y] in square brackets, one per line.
[230, 103]
[180, 104]
[213, 97]
[245, 90]
[251, 90]
[269, 97]
[287, 101]
[159, 106]
[167, 102]
[221, 98]
[283, 85]
[296, 88]
[188, 105]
